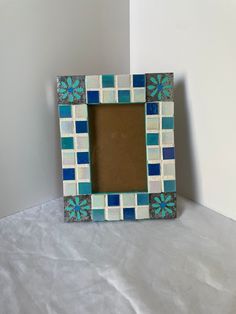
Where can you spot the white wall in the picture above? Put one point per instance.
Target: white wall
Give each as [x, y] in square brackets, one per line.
[196, 40]
[40, 39]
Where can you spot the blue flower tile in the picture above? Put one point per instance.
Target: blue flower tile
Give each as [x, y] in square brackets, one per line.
[71, 89]
[81, 126]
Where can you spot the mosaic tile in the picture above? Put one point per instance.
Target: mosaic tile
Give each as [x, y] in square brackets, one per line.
[113, 213]
[77, 208]
[123, 81]
[69, 188]
[152, 108]
[162, 205]
[168, 153]
[81, 126]
[92, 81]
[167, 108]
[98, 215]
[68, 158]
[139, 95]
[68, 174]
[82, 158]
[128, 199]
[152, 138]
[138, 80]
[71, 89]
[109, 96]
[84, 188]
[65, 111]
[169, 186]
[93, 97]
[81, 111]
[142, 212]
[167, 123]
[129, 213]
[75, 93]
[159, 86]
[123, 96]
[108, 81]
[154, 186]
[67, 143]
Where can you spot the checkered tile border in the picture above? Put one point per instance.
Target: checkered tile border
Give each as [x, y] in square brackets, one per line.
[74, 94]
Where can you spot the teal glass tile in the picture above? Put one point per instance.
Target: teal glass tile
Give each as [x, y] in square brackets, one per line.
[108, 81]
[85, 188]
[152, 139]
[170, 186]
[167, 123]
[124, 96]
[65, 111]
[142, 199]
[67, 143]
[98, 215]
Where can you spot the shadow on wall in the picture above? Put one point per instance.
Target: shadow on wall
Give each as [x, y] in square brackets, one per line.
[185, 162]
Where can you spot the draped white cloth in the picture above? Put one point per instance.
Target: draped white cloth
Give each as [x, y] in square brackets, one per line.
[187, 265]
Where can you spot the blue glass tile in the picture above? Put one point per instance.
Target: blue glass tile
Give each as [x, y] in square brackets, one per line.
[68, 174]
[143, 199]
[168, 153]
[82, 158]
[67, 143]
[152, 139]
[154, 169]
[85, 188]
[139, 80]
[152, 108]
[169, 186]
[129, 213]
[113, 200]
[167, 123]
[124, 96]
[65, 111]
[93, 97]
[108, 81]
[81, 126]
[98, 215]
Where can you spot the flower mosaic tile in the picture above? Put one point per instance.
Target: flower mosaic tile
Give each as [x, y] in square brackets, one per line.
[155, 92]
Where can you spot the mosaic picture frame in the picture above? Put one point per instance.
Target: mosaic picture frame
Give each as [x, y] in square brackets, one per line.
[155, 92]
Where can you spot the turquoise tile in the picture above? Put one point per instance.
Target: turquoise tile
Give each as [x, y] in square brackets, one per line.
[142, 199]
[65, 111]
[67, 143]
[170, 186]
[85, 188]
[152, 139]
[98, 215]
[108, 81]
[167, 123]
[124, 96]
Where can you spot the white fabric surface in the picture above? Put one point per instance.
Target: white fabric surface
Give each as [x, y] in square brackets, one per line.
[187, 265]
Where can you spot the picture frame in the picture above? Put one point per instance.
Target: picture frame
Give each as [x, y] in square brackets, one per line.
[153, 91]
